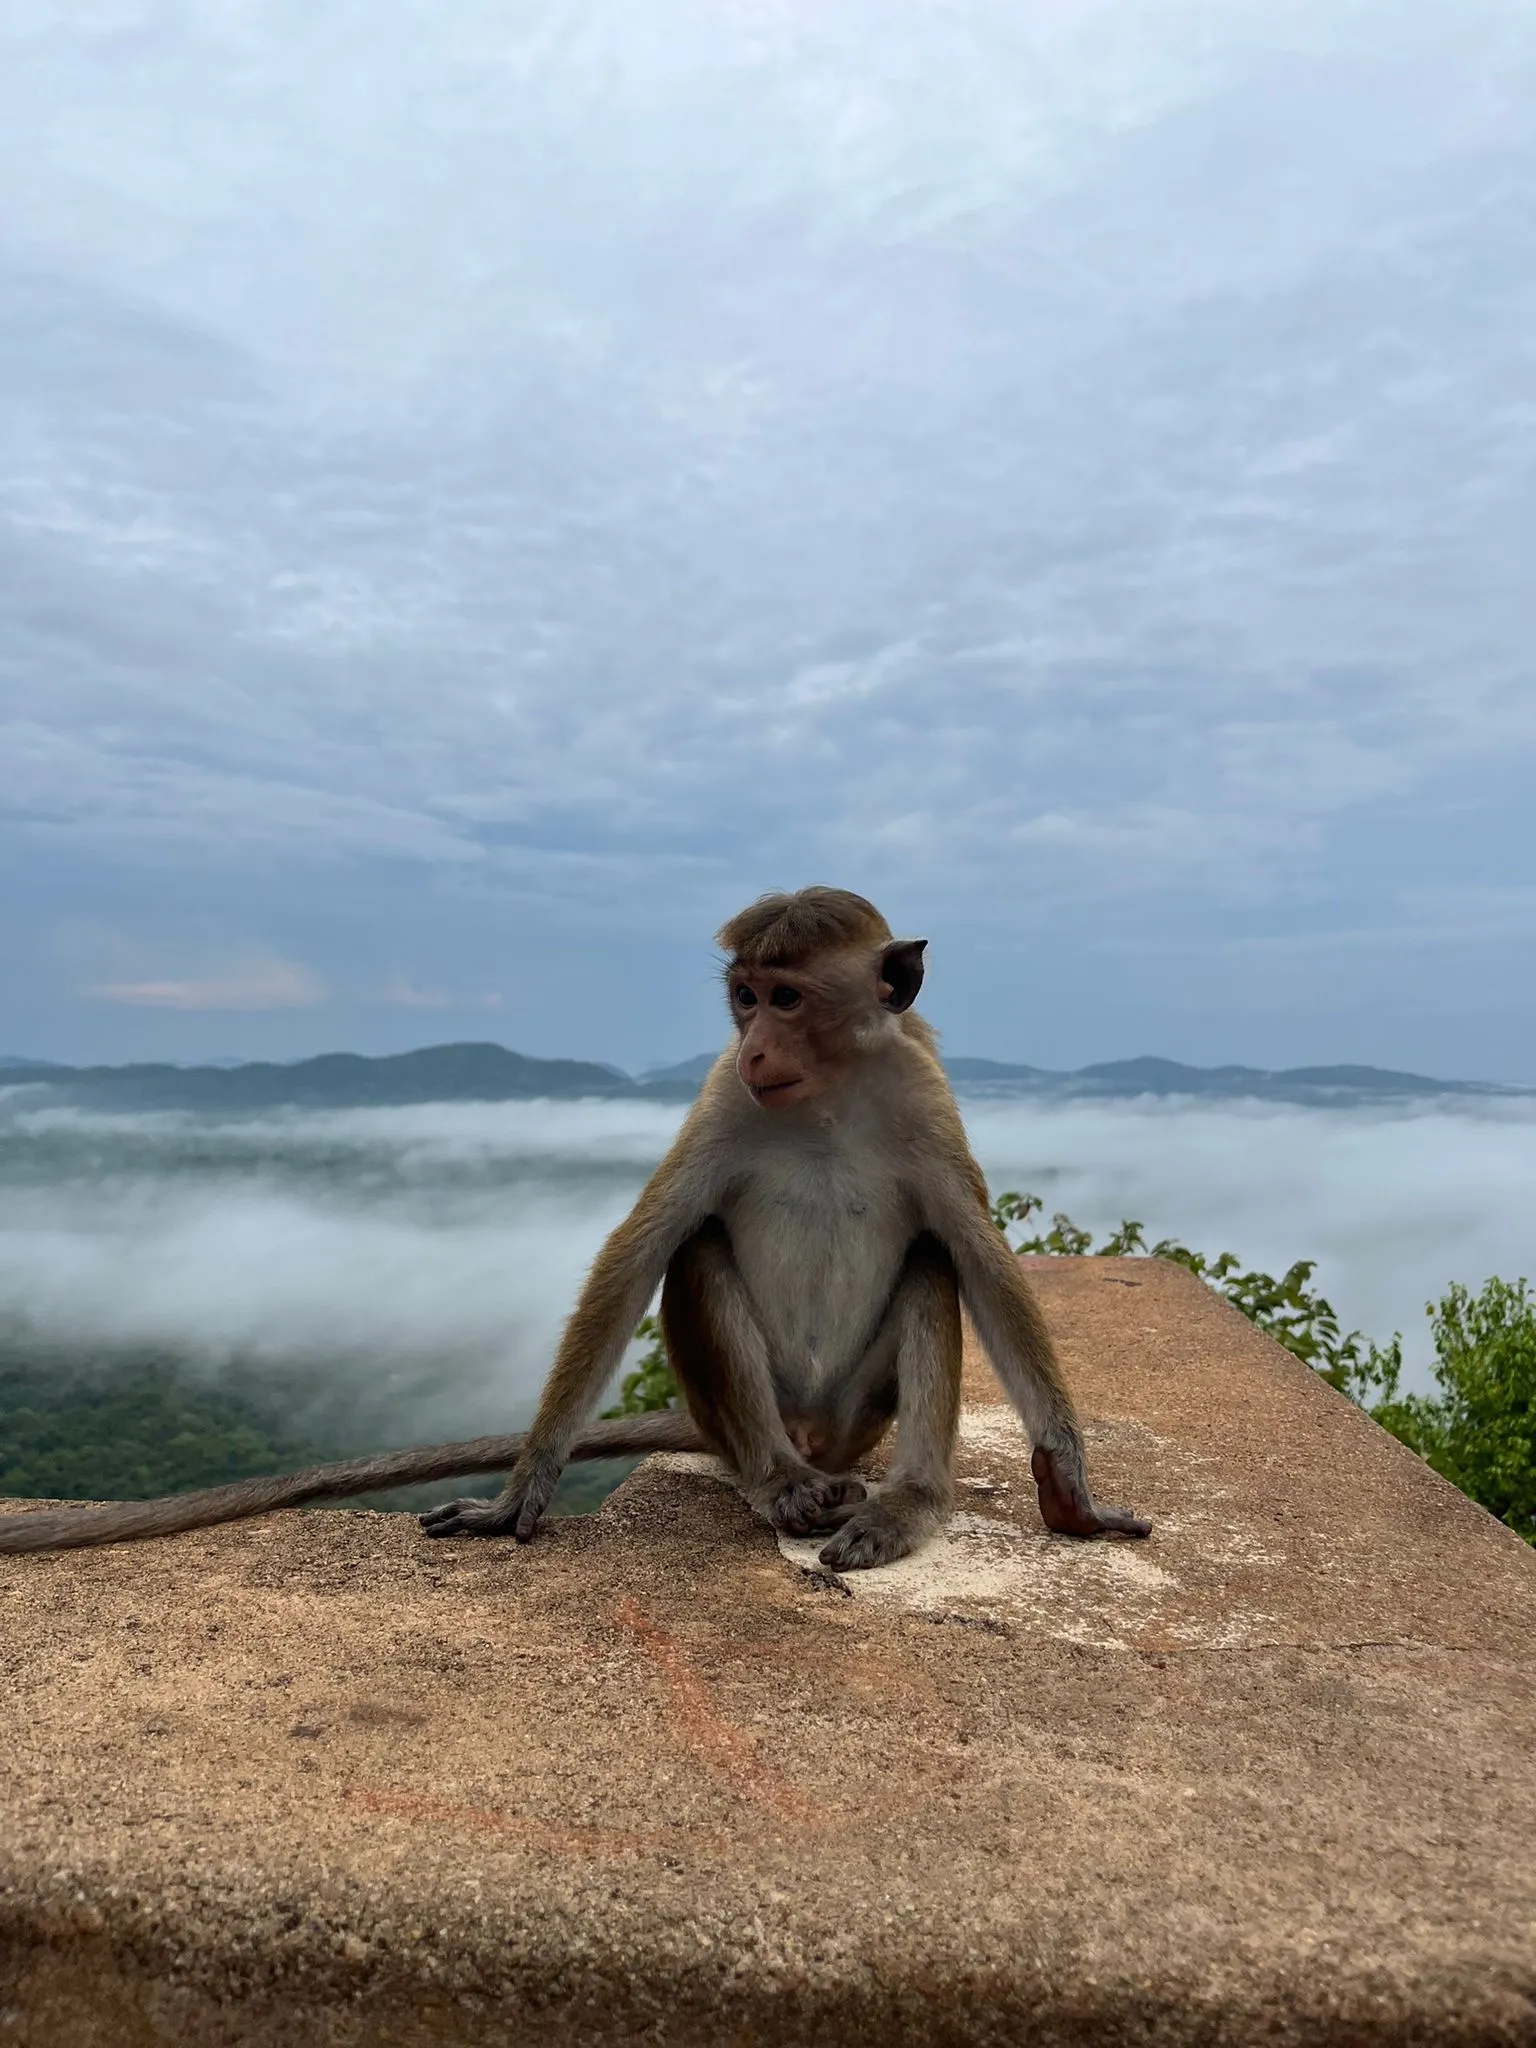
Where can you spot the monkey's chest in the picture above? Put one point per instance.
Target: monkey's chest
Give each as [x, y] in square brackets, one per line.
[820, 1255]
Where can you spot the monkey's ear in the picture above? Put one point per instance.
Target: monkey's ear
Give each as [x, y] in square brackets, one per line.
[901, 969]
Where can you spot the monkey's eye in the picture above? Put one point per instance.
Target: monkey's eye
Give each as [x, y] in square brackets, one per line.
[785, 998]
[745, 998]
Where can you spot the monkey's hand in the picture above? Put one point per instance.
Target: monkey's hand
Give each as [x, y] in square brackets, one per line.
[516, 1510]
[806, 1503]
[1069, 1509]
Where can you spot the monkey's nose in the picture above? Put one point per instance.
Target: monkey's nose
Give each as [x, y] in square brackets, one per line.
[762, 1070]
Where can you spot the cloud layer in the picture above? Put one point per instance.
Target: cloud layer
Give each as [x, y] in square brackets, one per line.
[403, 1273]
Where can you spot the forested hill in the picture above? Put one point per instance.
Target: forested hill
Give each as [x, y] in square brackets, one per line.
[491, 1073]
[346, 1080]
[1351, 1085]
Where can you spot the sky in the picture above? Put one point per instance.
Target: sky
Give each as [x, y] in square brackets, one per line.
[486, 489]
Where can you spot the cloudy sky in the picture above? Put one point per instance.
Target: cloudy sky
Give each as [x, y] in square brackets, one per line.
[485, 488]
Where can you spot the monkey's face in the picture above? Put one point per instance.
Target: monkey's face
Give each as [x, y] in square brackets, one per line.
[779, 1057]
[803, 1028]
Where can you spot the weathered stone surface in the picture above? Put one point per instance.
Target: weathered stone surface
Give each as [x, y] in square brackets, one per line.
[1267, 1777]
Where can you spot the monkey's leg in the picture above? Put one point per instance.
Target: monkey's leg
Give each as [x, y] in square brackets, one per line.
[718, 1351]
[923, 1324]
[1008, 1321]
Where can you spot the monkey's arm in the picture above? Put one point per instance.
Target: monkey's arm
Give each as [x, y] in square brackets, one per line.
[1009, 1323]
[624, 1276]
[122, 1521]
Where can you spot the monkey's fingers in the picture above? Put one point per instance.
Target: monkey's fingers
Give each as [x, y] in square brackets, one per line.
[1120, 1522]
[874, 1535]
[810, 1506]
[469, 1517]
[516, 1510]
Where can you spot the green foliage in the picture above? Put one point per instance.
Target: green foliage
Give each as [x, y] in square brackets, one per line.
[1478, 1428]
[130, 1434]
[651, 1385]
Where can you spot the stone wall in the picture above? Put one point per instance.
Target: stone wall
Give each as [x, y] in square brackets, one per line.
[1268, 1777]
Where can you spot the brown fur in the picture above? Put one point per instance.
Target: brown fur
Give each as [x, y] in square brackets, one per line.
[781, 930]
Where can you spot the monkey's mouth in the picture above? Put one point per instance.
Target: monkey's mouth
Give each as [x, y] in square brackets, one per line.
[770, 1089]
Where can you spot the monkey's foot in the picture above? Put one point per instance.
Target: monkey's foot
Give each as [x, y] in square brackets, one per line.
[876, 1535]
[807, 1506]
[890, 1526]
[1068, 1509]
[514, 1512]
[471, 1516]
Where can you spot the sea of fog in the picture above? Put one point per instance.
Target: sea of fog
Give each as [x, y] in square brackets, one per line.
[403, 1273]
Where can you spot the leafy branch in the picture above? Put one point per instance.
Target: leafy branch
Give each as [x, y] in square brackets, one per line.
[651, 1385]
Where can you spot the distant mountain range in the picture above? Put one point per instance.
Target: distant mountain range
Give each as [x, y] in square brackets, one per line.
[347, 1080]
[1151, 1076]
[490, 1073]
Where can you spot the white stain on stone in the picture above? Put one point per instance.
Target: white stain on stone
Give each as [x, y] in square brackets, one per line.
[996, 1571]
[992, 1429]
[984, 1567]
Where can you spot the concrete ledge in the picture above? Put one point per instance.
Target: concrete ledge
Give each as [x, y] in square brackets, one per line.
[1267, 1778]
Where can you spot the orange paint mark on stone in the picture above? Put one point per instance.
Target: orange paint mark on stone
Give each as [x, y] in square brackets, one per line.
[721, 1744]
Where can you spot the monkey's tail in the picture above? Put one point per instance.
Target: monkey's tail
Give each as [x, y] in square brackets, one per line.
[664, 1429]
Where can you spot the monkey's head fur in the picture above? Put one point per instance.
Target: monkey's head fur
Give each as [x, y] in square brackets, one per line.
[815, 980]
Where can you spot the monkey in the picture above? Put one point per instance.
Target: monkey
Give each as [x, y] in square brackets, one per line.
[816, 1228]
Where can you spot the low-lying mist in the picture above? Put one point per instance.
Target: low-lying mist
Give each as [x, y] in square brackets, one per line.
[396, 1273]
[400, 1274]
[1392, 1203]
